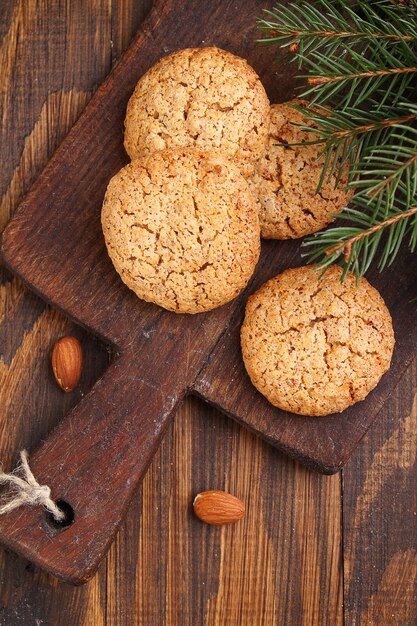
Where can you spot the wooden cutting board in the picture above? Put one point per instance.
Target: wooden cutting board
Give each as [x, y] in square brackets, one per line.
[96, 456]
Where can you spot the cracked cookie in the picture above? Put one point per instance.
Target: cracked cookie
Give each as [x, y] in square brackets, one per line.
[199, 97]
[182, 229]
[313, 345]
[286, 178]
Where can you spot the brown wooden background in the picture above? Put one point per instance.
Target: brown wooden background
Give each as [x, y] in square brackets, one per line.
[311, 550]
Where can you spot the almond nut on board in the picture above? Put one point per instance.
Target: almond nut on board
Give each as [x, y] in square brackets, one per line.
[67, 360]
[218, 507]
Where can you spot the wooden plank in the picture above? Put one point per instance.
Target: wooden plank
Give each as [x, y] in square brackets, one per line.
[33, 126]
[325, 443]
[34, 123]
[380, 517]
[280, 565]
[131, 587]
[89, 290]
[120, 423]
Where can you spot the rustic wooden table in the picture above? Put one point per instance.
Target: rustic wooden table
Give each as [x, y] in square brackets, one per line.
[312, 550]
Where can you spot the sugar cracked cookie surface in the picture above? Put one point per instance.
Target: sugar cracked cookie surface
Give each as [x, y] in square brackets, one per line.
[182, 229]
[199, 97]
[286, 178]
[315, 346]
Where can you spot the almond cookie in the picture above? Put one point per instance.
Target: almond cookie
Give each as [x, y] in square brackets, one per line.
[182, 229]
[286, 178]
[199, 97]
[313, 345]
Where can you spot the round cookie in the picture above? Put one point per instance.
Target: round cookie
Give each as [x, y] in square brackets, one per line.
[182, 229]
[313, 345]
[199, 97]
[286, 178]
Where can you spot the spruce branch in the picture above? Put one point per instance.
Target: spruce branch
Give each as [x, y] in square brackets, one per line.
[365, 128]
[355, 244]
[334, 34]
[346, 246]
[323, 80]
[361, 76]
[330, 22]
[393, 177]
[353, 78]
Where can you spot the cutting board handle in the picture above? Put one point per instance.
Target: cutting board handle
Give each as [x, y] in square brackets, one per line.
[92, 461]
[95, 457]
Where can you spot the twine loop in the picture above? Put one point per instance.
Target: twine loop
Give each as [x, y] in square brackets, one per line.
[25, 490]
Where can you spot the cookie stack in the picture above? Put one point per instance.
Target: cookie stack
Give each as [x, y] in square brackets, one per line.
[182, 225]
[180, 222]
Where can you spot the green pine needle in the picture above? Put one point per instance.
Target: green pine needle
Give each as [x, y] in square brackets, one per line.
[360, 69]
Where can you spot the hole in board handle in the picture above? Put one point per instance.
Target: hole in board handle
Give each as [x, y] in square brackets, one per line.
[68, 512]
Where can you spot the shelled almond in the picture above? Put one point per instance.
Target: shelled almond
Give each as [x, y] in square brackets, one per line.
[218, 507]
[67, 362]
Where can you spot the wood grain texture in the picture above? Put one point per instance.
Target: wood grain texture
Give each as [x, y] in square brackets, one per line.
[94, 459]
[325, 444]
[54, 242]
[380, 517]
[286, 567]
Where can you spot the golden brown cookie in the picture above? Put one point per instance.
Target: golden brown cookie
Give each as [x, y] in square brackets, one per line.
[286, 178]
[199, 97]
[182, 229]
[313, 345]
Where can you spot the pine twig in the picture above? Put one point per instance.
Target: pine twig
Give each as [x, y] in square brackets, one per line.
[361, 65]
[346, 245]
[364, 128]
[334, 34]
[323, 80]
[390, 179]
